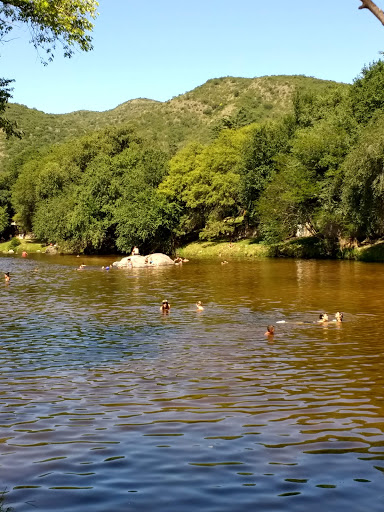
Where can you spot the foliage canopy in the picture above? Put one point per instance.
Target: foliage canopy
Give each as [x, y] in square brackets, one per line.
[50, 22]
[174, 174]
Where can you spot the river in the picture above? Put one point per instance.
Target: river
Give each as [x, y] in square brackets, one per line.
[108, 405]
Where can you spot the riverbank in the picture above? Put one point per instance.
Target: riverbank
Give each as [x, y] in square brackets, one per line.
[18, 246]
[302, 248]
[224, 250]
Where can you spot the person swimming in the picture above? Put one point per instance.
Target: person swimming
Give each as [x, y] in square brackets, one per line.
[323, 318]
[270, 330]
[165, 306]
[339, 316]
[7, 277]
[199, 306]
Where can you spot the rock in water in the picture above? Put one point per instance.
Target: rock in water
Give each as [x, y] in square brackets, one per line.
[152, 260]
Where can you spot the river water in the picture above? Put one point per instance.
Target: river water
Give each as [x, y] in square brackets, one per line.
[108, 405]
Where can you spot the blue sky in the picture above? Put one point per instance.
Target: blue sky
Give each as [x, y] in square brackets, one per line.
[160, 49]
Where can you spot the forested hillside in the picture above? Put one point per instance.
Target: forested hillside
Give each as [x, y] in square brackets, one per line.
[233, 158]
[196, 115]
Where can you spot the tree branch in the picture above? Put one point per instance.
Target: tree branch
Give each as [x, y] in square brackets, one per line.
[368, 4]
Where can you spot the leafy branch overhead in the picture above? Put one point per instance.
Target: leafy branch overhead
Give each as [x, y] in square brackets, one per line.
[67, 22]
[50, 22]
[371, 6]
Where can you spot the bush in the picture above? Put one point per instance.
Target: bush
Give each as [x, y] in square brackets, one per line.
[14, 243]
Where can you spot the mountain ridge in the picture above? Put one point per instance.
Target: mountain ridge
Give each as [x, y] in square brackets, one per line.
[234, 101]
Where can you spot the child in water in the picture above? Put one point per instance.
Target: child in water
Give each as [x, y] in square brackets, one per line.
[323, 318]
[339, 317]
[165, 306]
[7, 277]
[270, 330]
[199, 306]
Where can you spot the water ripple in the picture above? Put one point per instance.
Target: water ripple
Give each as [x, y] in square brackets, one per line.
[106, 404]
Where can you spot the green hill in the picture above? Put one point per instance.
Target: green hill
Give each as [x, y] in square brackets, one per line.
[195, 115]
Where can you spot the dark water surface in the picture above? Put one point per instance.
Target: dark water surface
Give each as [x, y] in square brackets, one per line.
[106, 405]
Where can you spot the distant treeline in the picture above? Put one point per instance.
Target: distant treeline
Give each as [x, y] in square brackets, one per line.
[319, 166]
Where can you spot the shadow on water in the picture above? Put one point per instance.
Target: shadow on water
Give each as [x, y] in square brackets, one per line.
[106, 404]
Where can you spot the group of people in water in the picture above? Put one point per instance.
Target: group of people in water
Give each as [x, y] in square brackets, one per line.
[323, 319]
[165, 306]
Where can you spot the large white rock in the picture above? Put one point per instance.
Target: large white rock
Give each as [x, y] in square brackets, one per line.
[158, 259]
[152, 260]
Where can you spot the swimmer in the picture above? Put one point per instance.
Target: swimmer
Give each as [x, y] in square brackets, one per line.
[339, 317]
[7, 277]
[165, 306]
[323, 317]
[224, 262]
[270, 330]
[199, 306]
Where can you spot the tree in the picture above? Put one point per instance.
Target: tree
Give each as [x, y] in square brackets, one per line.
[367, 92]
[9, 127]
[289, 200]
[50, 22]
[305, 187]
[67, 22]
[266, 141]
[371, 6]
[204, 183]
[95, 193]
[363, 184]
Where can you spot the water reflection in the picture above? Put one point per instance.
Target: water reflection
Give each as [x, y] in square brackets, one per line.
[108, 404]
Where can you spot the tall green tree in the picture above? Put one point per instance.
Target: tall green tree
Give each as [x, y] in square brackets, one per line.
[258, 166]
[305, 189]
[204, 182]
[363, 184]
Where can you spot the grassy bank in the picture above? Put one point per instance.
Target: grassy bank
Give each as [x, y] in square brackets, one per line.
[224, 250]
[30, 246]
[302, 248]
[371, 252]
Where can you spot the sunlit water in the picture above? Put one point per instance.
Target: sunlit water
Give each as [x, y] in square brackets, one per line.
[107, 405]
